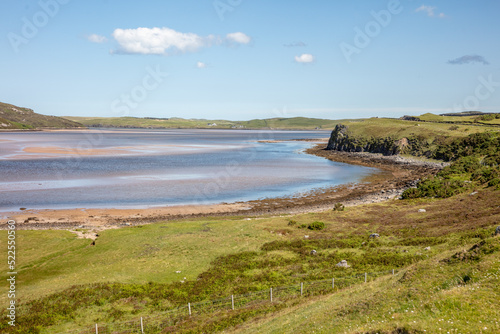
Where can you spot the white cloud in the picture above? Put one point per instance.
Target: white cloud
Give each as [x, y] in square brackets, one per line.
[158, 41]
[201, 65]
[94, 38]
[429, 10]
[166, 41]
[304, 58]
[238, 37]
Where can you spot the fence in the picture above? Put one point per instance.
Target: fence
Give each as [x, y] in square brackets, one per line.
[171, 317]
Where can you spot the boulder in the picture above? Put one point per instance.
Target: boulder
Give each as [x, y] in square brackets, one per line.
[374, 235]
[313, 252]
[343, 264]
[427, 248]
[422, 210]
[497, 231]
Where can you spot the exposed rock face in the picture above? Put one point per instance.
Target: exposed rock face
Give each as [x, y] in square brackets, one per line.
[340, 140]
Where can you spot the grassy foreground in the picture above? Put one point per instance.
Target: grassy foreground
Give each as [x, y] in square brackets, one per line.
[136, 268]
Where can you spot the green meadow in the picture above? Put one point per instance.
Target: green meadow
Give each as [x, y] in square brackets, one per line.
[66, 284]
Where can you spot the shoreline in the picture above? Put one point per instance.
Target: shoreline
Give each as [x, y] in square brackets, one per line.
[396, 174]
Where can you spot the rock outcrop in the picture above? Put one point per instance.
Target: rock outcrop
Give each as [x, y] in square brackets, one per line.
[341, 140]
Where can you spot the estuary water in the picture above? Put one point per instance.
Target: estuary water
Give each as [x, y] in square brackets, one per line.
[136, 168]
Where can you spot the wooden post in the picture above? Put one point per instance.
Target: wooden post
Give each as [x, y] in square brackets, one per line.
[301, 288]
[333, 283]
[271, 295]
[142, 327]
[189, 308]
[96, 330]
[232, 302]
[393, 271]
[366, 277]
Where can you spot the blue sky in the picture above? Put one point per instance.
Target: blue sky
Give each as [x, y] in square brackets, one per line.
[242, 59]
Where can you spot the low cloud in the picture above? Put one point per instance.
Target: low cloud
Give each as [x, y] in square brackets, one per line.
[296, 44]
[468, 59]
[304, 58]
[94, 38]
[201, 65]
[166, 41]
[430, 11]
[238, 37]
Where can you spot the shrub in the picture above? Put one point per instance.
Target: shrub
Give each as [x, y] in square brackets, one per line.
[292, 222]
[338, 207]
[316, 226]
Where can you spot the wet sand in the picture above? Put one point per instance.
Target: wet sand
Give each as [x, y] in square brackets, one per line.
[396, 174]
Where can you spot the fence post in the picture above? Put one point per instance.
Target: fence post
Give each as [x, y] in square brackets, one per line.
[366, 277]
[301, 288]
[189, 308]
[142, 327]
[232, 302]
[271, 295]
[96, 330]
[393, 271]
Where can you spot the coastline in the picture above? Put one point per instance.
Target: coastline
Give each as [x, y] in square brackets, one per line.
[396, 174]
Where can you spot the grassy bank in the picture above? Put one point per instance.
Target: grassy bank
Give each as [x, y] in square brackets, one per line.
[237, 256]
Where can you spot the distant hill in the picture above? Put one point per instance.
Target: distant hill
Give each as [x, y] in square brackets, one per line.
[464, 113]
[13, 117]
[174, 122]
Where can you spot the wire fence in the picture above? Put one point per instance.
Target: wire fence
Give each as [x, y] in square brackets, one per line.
[161, 323]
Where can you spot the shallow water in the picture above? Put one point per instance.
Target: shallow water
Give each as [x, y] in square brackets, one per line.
[142, 168]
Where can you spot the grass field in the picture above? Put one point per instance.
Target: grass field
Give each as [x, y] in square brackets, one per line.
[53, 260]
[220, 257]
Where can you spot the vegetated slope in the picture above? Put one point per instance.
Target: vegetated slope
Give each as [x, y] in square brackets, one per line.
[174, 122]
[391, 136]
[433, 252]
[13, 117]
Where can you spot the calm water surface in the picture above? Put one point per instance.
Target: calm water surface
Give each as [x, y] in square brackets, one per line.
[142, 168]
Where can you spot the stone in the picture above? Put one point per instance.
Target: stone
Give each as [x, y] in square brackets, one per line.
[343, 264]
[422, 210]
[374, 235]
[473, 193]
[306, 236]
[178, 272]
[313, 252]
[427, 248]
[497, 231]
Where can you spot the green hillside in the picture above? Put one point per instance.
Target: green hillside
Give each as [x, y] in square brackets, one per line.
[13, 117]
[446, 260]
[174, 122]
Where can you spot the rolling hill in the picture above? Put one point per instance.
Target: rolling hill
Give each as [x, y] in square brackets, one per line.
[13, 117]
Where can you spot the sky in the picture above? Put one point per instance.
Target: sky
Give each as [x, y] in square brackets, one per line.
[242, 59]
